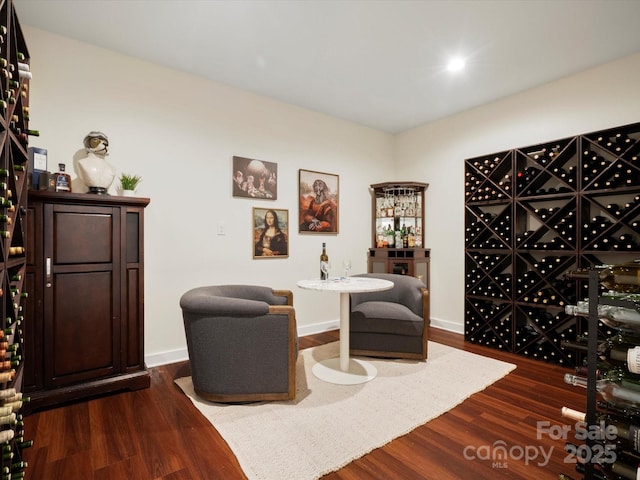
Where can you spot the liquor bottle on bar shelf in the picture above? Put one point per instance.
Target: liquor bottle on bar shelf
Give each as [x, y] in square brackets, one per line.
[398, 225]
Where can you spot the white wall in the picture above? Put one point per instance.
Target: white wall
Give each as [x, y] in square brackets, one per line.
[179, 132]
[604, 97]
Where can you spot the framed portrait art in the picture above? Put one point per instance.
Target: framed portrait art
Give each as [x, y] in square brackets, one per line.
[254, 178]
[270, 233]
[319, 202]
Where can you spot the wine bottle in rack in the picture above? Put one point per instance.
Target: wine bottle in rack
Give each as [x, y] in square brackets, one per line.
[603, 244]
[522, 239]
[618, 374]
[526, 176]
[564, 476]
[505, 183]
[24, 70]
[6, 435]
[611, 315]
[613, 462]
[621, 142]
[570, 176]
[618, 395]
[614, 209]
[626, 242]
[632, 203]
[619, 355]
[621, 278]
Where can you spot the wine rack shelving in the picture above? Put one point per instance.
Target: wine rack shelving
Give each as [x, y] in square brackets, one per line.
[534, 213]
[397, 207]
[14, 131]
[606, 410]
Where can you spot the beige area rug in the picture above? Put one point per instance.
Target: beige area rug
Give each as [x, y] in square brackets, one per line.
[327, 426]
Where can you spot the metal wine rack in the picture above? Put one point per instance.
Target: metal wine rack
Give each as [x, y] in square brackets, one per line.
[534, 213]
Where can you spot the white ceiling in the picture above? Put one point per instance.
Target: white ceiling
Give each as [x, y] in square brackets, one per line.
[378, 63]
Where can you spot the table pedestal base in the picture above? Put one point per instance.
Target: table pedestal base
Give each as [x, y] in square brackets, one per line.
[359, 371]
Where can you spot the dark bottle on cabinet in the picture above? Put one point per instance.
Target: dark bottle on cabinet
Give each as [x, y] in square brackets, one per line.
[62, 179]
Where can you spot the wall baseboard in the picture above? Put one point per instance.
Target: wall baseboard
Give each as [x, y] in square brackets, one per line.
[180, 355]
[164, 358]
[447, 325]
[322, 327]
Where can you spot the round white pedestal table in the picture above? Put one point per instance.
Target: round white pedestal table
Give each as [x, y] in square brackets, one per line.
[345, 370]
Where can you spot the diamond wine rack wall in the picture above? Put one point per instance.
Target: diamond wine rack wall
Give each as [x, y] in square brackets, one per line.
[532, 214]
[14, 107]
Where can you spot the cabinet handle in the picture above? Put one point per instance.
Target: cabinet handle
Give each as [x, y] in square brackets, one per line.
[48, 272]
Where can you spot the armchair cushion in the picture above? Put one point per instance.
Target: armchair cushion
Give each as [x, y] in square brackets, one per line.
[406, 291]
[391, 323]
[384, 317]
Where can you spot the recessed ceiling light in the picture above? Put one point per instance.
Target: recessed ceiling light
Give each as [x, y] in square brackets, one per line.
[455, 64]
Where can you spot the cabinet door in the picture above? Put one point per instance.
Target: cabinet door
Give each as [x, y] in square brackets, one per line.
[33, 327]
[378, 265]
[401, 267]
[132, 291]
[421, 270]
[81, 293]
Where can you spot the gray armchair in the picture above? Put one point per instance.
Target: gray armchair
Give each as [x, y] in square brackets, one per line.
[391, 323]
[242, 342]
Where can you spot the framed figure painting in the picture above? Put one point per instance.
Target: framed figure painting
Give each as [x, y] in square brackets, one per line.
[270, 233]
[319, 202]
[254, 178]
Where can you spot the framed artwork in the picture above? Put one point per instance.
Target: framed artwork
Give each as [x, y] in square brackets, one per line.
[270, 227]
[319, 202]
[254, 178]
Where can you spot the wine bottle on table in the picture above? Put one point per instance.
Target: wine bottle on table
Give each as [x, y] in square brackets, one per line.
[324, 262]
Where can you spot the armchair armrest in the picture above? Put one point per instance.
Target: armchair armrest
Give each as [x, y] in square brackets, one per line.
[426, 307]
[284, 293]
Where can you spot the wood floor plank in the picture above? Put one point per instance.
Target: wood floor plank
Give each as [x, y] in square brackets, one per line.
[157, 434]
[110, 433]
[131, 467]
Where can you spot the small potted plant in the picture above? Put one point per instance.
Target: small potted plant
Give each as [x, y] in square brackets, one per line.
[128, 183]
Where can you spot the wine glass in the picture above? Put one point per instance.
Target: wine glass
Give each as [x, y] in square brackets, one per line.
[325, 267]
[346, 264]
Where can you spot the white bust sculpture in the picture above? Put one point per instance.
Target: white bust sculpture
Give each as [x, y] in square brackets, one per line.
[94, 170]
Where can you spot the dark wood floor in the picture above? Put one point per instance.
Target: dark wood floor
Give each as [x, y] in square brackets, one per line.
[157, 434]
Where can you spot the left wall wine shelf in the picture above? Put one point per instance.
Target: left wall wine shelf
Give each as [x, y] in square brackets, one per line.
[14, 137]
